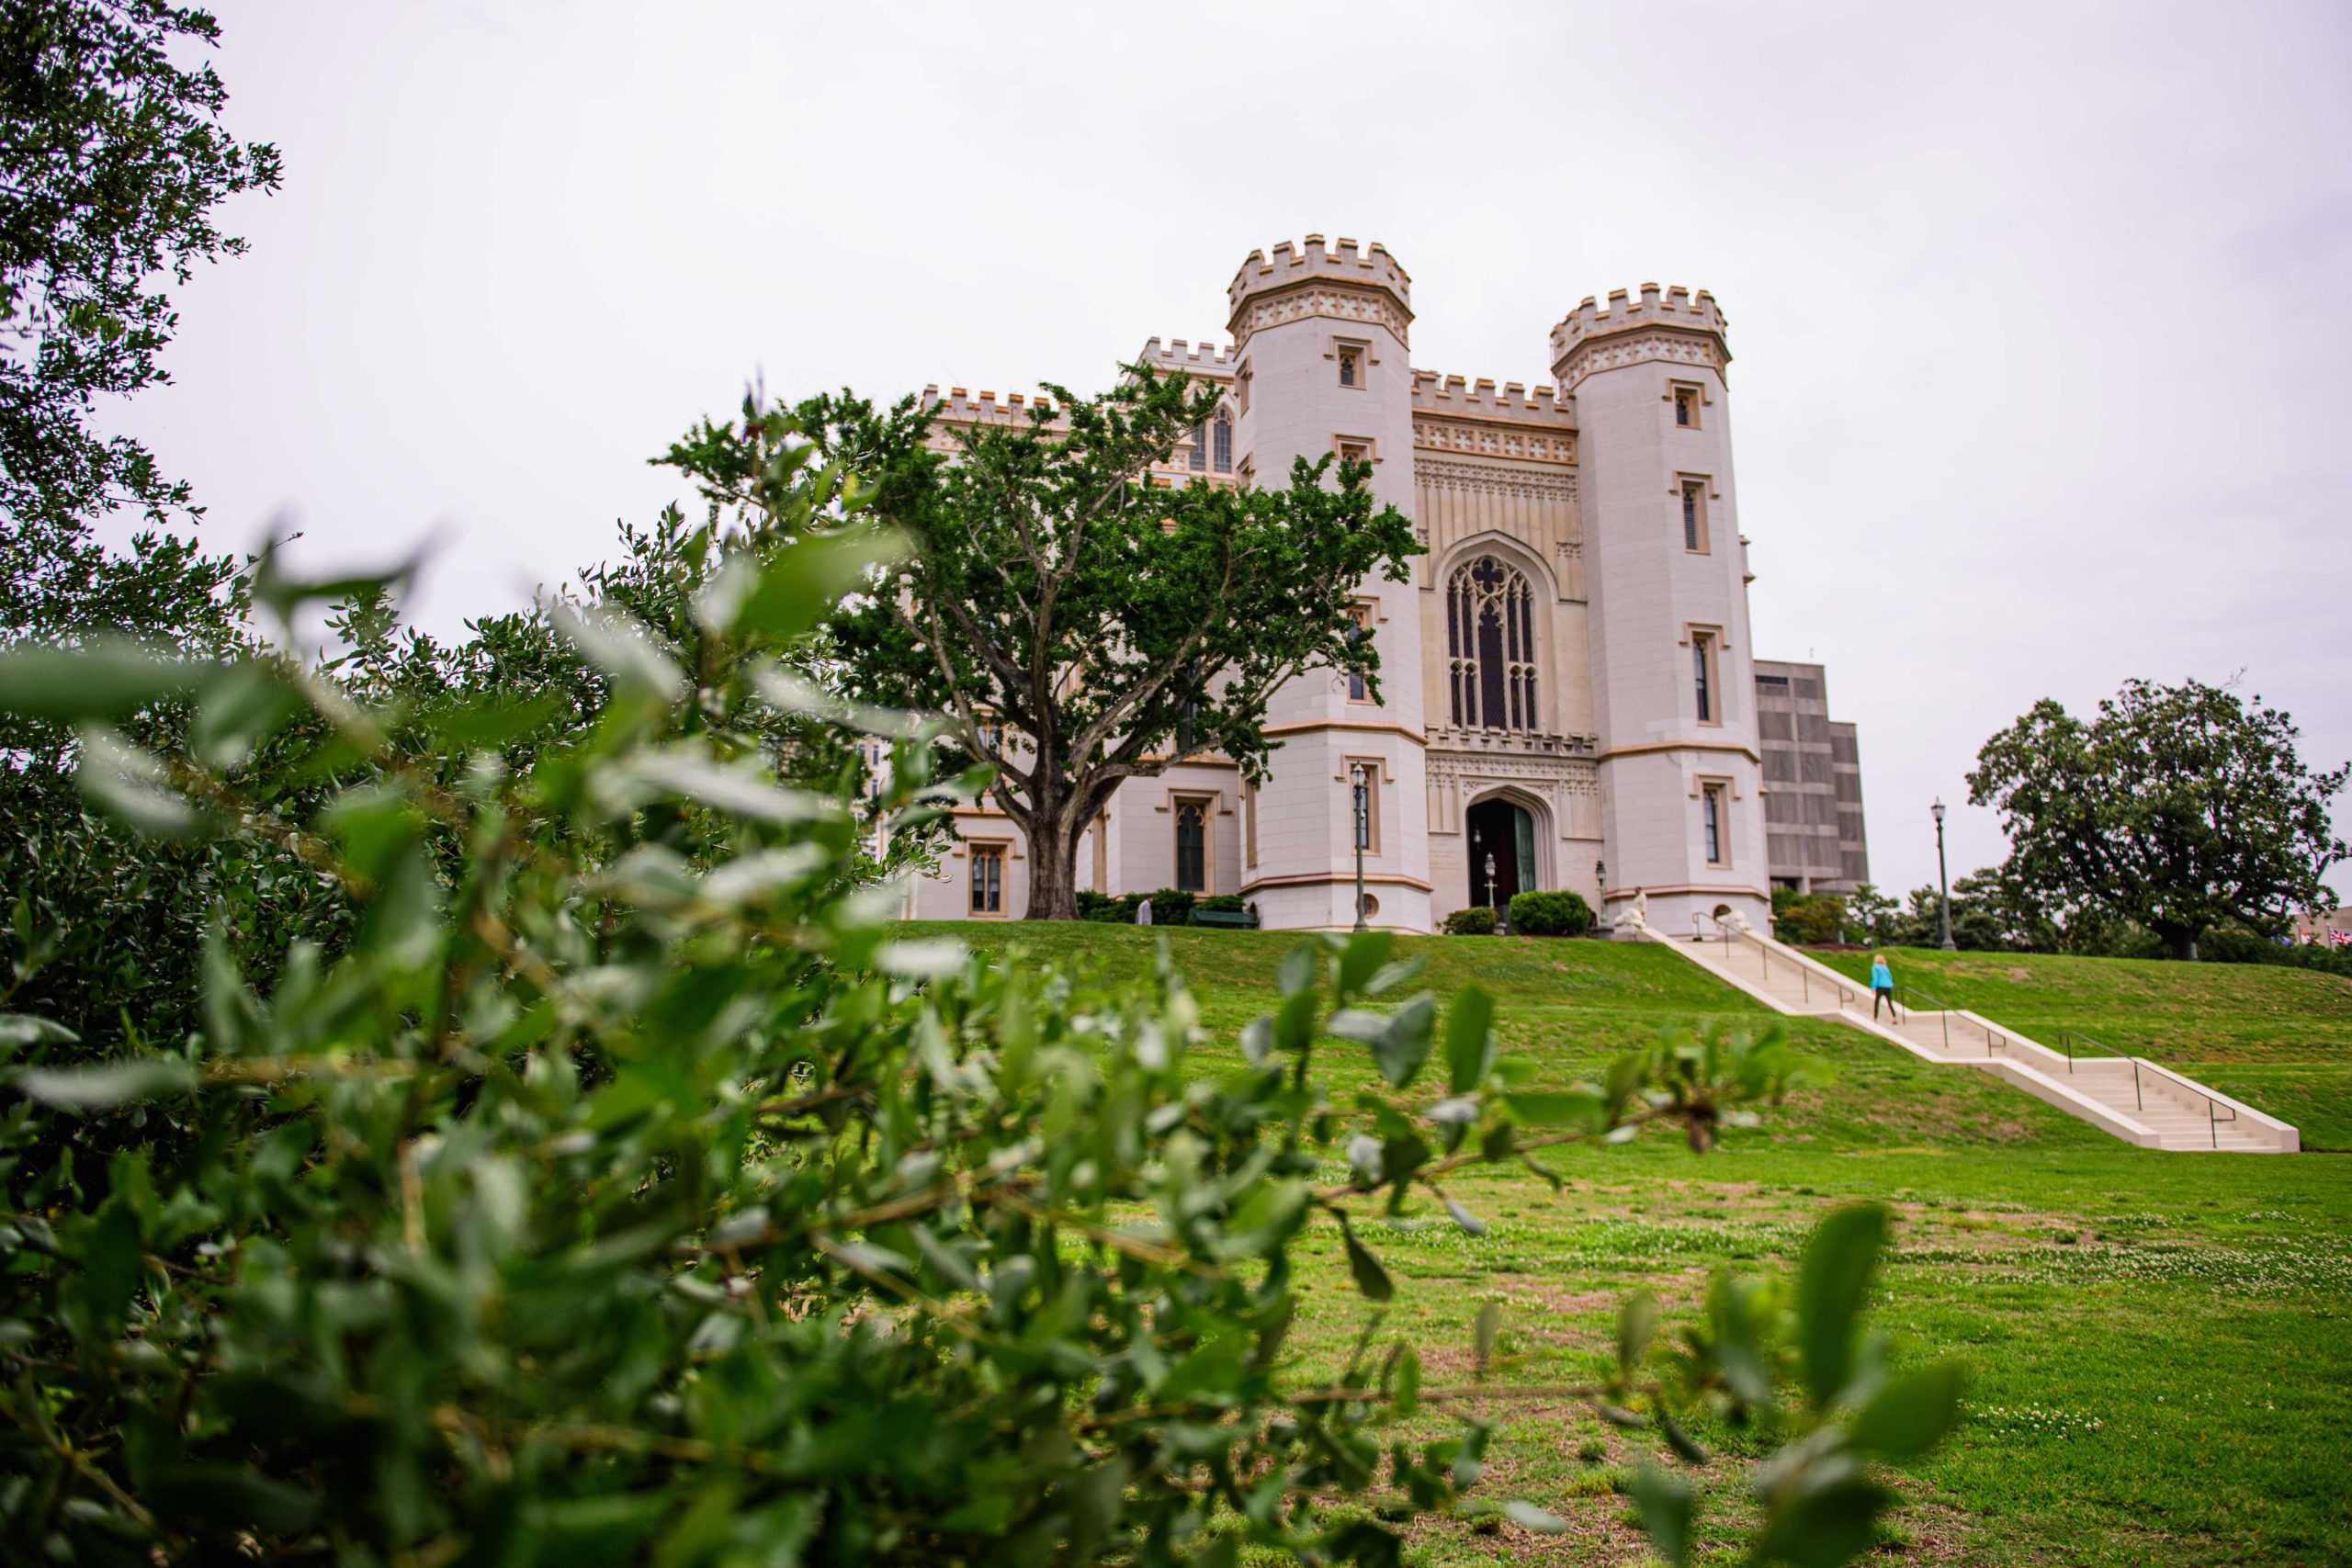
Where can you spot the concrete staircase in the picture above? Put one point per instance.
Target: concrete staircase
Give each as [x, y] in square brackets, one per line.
[2129, 1097]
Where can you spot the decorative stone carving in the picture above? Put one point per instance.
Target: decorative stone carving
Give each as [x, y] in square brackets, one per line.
[1610, 353]
[1339, 301]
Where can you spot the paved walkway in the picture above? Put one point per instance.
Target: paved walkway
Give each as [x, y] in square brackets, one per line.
[2129, 1097]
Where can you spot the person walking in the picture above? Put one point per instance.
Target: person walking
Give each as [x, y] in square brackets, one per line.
[1883, 988]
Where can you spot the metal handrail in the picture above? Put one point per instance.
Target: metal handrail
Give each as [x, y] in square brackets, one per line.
[2212, 1106]
[1805, 976]
[1993, 1039]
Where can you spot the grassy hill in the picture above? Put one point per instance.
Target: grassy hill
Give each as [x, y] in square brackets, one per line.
[2160, 1366]
[2279, 1039]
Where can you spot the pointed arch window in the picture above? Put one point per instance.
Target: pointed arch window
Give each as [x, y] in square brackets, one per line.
[1490, 645]
[1222, 440]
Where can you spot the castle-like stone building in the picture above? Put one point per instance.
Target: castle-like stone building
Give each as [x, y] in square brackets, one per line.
[1568, 696]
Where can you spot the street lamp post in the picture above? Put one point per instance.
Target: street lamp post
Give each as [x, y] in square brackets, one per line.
[1495, 896]
[1944, 878]
[1363, 829]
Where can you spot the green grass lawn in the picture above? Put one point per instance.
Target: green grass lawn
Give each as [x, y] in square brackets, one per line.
[2160, 1345]
[2279, 1039]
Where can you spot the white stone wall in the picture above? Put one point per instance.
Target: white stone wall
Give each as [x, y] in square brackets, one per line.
[1293, 317]
[1649, 592]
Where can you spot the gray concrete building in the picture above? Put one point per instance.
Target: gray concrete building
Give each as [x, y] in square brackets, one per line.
[1813, 783]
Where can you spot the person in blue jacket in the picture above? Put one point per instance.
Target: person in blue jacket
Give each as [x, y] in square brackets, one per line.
[1883, 988]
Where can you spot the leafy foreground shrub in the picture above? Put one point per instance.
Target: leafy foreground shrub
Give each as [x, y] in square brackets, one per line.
[1472, 920]
[622, 1190]
[1550, 914]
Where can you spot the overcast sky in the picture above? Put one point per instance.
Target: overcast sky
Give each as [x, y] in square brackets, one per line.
[2042, 315]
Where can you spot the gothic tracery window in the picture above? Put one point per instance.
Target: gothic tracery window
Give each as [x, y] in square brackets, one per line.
[1223, 431]
[1490, 645]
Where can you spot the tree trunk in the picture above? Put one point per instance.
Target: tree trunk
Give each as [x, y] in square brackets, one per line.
[1053, 860]
[2180, 941]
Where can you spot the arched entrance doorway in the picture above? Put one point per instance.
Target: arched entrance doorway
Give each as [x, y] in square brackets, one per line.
[1504, 831]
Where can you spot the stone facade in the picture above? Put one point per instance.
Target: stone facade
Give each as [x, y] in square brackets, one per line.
[1585, 712]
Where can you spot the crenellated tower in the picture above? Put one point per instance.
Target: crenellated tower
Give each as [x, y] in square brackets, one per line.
[1672, 677]
[1319, 343]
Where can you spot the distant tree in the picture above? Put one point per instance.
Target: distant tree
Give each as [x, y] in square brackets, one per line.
[2177, 808]
[115, 158]
[1872, 911]
[1079, 625]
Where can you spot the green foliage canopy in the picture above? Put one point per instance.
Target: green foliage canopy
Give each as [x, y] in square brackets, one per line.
[2177, 808]
[115, 158]
[1106, 624]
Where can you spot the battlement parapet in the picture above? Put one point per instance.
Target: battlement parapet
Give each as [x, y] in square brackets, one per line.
[957, 406]
[1676, 307]
[1663, 324]
[1436, 394]
[1203, 358]
[1313, 262]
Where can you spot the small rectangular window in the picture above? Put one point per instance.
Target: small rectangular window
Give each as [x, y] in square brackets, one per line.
[1711, 806]
[1241, 388]
[1702, 676]
[1694, 515]
[988, 879]
[1359, 685]
[1686, 407]
[1350, 365]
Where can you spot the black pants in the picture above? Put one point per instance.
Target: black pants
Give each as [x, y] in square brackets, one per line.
[1884, 994]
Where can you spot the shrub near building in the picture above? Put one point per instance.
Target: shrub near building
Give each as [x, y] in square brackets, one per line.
[1550, 914]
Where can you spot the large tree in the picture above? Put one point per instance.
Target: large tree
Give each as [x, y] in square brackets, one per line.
[112, 158]
[2177, 808]
[1103, 624]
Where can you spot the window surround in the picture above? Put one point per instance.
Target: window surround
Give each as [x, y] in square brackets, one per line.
[1692, 492]
[1366, 615]
[1341, 351]
[1715, 799]
[1707, 642]
[1368, 446]
[1202, 806]
[1691, 397]
[1221, 441]
[997, 856]
[1241, 387]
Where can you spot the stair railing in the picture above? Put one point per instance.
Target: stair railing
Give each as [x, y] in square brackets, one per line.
[2213, 1117]
[1805, 976]
[1995, 1040]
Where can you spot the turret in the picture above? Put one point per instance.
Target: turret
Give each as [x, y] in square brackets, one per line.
[1319, 335]
[1672, 676]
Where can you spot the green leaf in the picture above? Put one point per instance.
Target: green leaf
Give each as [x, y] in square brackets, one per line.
[105, 680]
[1361, 959]
[1489, 1325]
[243, 707]
[1832, 1286]
[800, 580]
[1826, 1527]
[1557, 1107]
[1665, 1505]
[1906, 1419]
[1637, 1321]
[1469, 1039]
[1407, 1393]
[1528, 1517]
[1297, 971]
[1370, 1277]
[107, 1084]
[618, 644]
[129, 784]
[1404, 1043]
[22, 1029]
